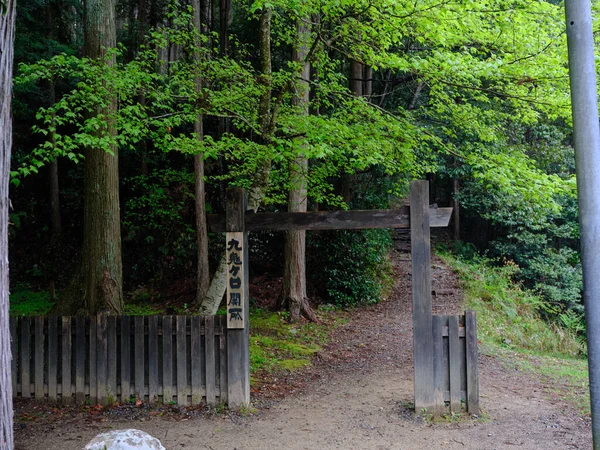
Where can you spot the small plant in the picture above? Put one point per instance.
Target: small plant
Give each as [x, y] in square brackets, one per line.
[247, 410]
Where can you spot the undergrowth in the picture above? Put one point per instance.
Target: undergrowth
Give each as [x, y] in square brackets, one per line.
[510, 325]
[278, 346]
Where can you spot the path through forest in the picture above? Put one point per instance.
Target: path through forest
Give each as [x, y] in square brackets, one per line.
[356, 396]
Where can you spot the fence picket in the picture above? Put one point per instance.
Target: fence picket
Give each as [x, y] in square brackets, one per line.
[180, 322]
[52, 358]
[472, 370]
[111, 355]
[152, 359]
[24, 361]
[80, 359]
[138, 358]
[125, 360]
[66, 390]
[167, 359]
[196, 367]
[211, 388]
[454, 360]
[38, 365]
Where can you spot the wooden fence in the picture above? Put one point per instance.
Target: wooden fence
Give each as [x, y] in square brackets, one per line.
[107, 359]
[455, 363]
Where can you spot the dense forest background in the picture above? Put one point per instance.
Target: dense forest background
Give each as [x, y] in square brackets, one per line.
[133, 117]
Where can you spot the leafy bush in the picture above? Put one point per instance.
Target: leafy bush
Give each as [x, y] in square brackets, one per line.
[350, 266]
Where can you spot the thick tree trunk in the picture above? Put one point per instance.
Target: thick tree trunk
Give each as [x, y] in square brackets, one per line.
[257, 191]
[203, 278]
[7, 36]
[294, 281]
[225, 19]
[102, 266]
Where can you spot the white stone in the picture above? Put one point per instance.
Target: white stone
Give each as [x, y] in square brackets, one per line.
[124, 440]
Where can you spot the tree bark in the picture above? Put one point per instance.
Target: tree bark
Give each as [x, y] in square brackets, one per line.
[294, 281]
[7, 36]
[456, 206]
[102, 265]
[368, 82]
[203, 278]
[356, 78]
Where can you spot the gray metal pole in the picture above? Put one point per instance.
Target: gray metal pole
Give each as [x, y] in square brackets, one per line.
[587, 159]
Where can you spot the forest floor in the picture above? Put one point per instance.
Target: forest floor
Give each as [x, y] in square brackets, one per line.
[356, 395]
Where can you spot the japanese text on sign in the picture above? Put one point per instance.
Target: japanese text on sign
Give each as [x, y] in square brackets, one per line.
[235, 281]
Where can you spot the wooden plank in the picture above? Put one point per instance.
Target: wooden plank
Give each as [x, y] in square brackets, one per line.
[196, 343]
[211, 384]
[472, 369]
[138, 358]
[439, 217]
[93, 360]
[454, 360]
[13, 351]
[461, 331]
[167, 359]
[181, 357]
[222, 323]
[52, 358]
[236, 255]
[101, 359]
[24, 366]
[38, 351]
[111, 363]
[80, 360]
[421, 295]
[152, 359]
[125, 359]
[67, 352]
[438, 366]
[330, 220]
[238, 375]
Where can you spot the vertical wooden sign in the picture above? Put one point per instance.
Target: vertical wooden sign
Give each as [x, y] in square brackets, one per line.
[238, 339]
[236, 300]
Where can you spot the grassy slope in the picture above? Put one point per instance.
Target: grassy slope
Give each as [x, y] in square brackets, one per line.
[510, 326]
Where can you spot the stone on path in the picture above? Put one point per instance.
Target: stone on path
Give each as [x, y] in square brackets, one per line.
[124, 440]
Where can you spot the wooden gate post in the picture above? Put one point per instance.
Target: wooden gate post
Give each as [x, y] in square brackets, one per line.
[421, 295]
[238, 342]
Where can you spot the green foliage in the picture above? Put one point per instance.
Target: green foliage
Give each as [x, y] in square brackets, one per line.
[508, 316]
[351, 265]
[158, 225]
[277, 346]
[26, 302]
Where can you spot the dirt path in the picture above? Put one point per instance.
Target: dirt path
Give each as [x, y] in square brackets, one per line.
[357, 396]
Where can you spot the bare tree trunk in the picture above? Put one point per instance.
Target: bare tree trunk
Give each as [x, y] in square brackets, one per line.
[7, 37]
[225, 19]
[456, 206]
[356, 78]
[102, 265]
[256, 194]
[368, 82]
[203, 278]
[294, 281]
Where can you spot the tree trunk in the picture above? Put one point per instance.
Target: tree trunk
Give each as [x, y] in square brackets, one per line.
[203, 278]
[456, 206]
[356, 78]
[7, 36]
[225, 18]
[257, 191]
[368, 82]
[102, 265]
[294, 281]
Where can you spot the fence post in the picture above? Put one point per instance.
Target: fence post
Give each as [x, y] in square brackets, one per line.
[421, 294]
[238, 358]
